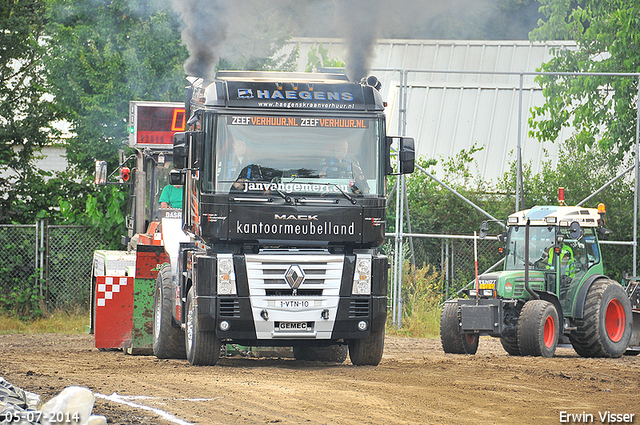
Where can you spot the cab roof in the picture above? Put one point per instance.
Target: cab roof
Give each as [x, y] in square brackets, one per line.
[272, 91]
[555, 215]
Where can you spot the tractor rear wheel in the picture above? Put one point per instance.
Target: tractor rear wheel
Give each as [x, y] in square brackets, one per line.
[168, 341]
[538, 329]
[605, 329]
[453, 341]
[203, 348]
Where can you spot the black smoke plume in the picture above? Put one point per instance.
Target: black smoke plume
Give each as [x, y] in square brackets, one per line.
[359, 22]
[205, 30]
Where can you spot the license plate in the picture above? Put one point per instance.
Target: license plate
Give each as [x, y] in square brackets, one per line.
[293, 304]
[293, 326]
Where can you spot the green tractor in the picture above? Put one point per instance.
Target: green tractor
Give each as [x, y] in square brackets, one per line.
[551, 291]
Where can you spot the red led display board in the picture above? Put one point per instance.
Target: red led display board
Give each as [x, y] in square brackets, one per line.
[155, 123]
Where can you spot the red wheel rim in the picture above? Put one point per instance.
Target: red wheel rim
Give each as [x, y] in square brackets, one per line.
[471, 338]
[549, 332]
[614, 320]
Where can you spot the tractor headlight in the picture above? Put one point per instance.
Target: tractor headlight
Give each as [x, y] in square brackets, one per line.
[487, 292]
[226, 275]
[362, 275]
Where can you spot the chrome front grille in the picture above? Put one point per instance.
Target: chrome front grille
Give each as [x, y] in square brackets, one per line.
[322, 273]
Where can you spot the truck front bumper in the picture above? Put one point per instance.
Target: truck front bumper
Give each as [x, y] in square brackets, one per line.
[287, 319]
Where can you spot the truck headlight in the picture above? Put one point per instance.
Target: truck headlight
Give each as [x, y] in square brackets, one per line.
[226, 275]
[362, 275]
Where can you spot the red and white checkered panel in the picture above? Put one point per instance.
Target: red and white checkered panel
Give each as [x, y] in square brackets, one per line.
[111, 285]
[114, 311]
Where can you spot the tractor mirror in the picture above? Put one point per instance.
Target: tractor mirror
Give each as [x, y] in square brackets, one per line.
[484, 230]
[176, 178]
[574, 230]
[101, 173]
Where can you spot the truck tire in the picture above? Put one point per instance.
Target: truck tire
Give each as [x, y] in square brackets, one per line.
[203, 348]
[330, 354]
[168, 342]
[454, 342]
[367, 351]
[538, 329]
[605, 329]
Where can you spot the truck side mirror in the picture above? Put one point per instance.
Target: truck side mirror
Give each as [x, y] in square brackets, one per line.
[177, 178]
[180, 149]
[388, 166]
[407, 155]
[101, 173]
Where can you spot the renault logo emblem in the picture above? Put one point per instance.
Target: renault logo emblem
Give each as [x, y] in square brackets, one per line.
[294, 276]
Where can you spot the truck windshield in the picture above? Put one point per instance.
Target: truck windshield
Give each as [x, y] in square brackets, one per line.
[541, 239]
[295, 155]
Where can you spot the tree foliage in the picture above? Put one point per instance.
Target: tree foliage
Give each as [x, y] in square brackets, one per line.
[318, 57]
[26, 112]
[105, 54]
[601, 109]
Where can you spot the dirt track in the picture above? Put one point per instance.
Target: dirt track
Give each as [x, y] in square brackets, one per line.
[416, 383]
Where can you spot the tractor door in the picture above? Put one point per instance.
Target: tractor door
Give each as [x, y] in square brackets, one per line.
[574, 261]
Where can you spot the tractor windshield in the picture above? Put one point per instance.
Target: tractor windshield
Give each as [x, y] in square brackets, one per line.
[541, 240]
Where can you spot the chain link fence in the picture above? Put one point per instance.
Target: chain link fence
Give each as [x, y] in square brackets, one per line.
[18, 267]
[54, 262]
[70, 255]
[51, 263]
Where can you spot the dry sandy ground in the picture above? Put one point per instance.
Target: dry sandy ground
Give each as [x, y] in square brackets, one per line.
[416, 383]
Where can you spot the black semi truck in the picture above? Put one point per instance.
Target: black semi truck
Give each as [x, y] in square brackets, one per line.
[284, 203]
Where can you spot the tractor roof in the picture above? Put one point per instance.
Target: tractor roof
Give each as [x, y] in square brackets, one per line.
[556, 215]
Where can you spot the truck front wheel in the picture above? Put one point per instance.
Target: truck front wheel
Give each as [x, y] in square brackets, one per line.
[168, 342]
[367, 351]
[605, 329]
[538, 329]
[453, 341]
[203, 348]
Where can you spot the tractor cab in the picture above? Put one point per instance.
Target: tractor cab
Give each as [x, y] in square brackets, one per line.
[560, 246]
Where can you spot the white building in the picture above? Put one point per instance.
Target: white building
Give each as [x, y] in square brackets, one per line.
[472, 99]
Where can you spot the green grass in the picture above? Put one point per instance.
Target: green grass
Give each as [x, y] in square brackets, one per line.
[60, 322]
[421, 308]
[425, 324]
